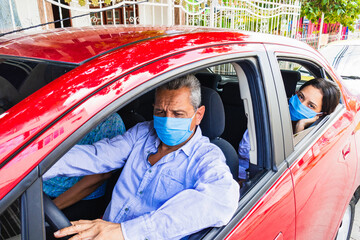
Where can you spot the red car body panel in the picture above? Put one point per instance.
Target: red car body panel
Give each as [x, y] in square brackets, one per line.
[313, 203]
[79, 45]
[275, 209]
[63, 106]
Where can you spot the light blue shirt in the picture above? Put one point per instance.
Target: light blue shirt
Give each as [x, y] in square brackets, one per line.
[185, 191]
[244, 156]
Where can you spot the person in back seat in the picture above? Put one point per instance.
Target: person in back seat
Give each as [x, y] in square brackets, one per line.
[315, 98]
[76, 195]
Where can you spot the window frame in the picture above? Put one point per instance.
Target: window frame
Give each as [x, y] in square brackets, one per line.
[285, 53]
[29, 190]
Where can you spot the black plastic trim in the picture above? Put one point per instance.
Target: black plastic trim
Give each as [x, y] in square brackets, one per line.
[32, 213]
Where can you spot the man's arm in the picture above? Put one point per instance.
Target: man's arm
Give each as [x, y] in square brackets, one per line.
[80, 190]
[101, 157]
[211, 203]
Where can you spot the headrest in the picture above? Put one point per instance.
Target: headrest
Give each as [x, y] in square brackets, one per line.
[54, 71]
[231, 93]
[209, 80]
[213, 123]
[132, 106]
[290, 79]
[9, 96]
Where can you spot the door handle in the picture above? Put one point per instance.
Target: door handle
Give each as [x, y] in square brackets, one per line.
[279, 236]
[346, 151]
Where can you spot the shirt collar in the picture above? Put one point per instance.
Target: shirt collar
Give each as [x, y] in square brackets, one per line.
[190, 144]
[157, 139]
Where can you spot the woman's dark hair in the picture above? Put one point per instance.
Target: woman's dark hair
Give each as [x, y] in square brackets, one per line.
[330, 91]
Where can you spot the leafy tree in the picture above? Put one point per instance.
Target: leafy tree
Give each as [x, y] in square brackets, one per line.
[346, 12]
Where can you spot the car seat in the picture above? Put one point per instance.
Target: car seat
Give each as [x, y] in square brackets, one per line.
[34, 81]
[290, 79]
[213, 125]
[9, 96]
[209, 80]
[129, 114]
[145, 108]
[235, 118]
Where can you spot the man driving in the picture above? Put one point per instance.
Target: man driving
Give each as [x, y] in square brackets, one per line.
[174, 182]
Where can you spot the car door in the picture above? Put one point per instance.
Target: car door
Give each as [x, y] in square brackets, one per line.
[267, 210]
[322, 162]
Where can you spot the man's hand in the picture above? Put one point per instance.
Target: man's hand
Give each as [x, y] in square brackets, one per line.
[92, 229]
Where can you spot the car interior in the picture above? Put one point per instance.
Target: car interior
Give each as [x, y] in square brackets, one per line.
[20, 78]
[225, 121]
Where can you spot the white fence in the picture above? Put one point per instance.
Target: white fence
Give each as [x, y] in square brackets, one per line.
[278, 17]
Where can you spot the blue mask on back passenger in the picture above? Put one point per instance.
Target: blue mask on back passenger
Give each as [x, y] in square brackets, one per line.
[298, 110]
[173, 131]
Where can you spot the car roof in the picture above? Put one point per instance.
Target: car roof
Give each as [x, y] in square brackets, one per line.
[101, 44]
[78, 45]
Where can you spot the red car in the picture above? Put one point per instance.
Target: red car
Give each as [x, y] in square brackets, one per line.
[57, 85]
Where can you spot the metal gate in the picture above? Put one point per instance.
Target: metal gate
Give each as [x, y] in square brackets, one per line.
[278, 17]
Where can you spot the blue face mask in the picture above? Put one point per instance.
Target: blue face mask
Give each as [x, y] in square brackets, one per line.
[173, 131]
[298, 110]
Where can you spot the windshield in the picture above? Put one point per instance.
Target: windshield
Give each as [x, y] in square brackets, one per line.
[345, 59]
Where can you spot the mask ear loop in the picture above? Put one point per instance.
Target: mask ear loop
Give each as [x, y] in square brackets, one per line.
[193, 118]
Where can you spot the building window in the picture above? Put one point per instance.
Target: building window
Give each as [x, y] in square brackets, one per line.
[127, 14]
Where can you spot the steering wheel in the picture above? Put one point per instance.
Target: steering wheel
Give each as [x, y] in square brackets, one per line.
[53, 215]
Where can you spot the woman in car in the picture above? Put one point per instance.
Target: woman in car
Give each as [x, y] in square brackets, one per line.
[316, 98]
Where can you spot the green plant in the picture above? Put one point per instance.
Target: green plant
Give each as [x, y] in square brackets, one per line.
[342, 11]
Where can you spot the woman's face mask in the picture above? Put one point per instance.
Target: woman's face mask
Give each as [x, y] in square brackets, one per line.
[299, 111]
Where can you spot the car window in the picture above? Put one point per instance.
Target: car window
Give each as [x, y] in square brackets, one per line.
[294, 74]
[20, 78]
[227, 72]
[10, 222]
[288, 67]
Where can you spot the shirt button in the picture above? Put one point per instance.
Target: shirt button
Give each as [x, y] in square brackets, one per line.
[141, 192]
[126, 209]
[150, 171]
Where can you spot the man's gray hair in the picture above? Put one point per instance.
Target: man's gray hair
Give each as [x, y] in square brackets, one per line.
[189, 81]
